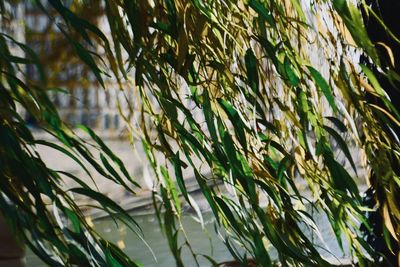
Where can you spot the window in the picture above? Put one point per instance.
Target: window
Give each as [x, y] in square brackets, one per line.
[106, 122]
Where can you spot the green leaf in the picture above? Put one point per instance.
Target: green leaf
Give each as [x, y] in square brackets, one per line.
[118, 179]
[351, 16]
[86, 56]
[341, 178]
[228, 214]
[271, 192]
[170, 186]
[179, 178]
[294, 80]
[169, 108]
[324, 86]
[209, 116]
[252, 70]
[108, 204]
[237, 122]
[383, 96]
[299, 9]
[74, 219]
[337, 123]
[66, 152]
[262, 11]
[260, 250]
[207, 192]
[109, 153]
[111, 260]
[342, 145]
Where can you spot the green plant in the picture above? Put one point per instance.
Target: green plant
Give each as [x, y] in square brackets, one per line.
[258, 92]
[33, 199]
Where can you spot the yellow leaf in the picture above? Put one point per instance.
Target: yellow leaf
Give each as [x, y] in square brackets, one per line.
[389, 51]
[89, 221]
[390, 116]
[388, 222]
[121, 244]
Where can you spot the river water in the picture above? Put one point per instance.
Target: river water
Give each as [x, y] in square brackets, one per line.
[203, 241]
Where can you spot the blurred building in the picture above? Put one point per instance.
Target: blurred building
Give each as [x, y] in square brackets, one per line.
[83, 101]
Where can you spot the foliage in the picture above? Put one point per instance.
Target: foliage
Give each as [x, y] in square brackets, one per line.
[258, 93]
[33, 197]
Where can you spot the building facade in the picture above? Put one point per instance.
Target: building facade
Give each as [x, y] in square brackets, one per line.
[81, 99]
